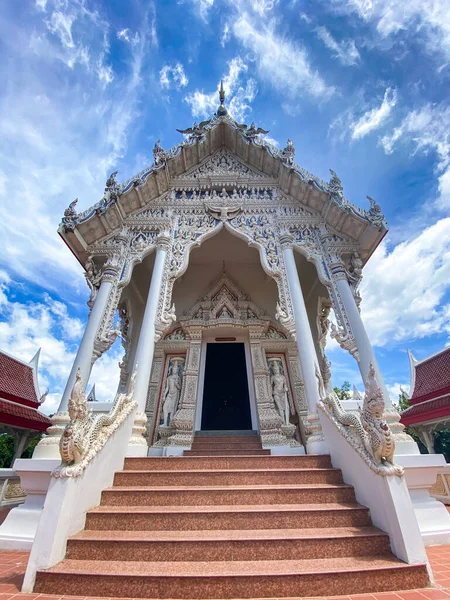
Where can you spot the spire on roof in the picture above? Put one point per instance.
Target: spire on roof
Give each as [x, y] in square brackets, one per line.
[221, 111]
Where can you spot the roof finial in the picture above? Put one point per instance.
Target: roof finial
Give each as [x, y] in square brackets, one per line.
[221, 111]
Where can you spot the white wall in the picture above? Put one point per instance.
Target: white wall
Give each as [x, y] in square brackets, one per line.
[68, 499]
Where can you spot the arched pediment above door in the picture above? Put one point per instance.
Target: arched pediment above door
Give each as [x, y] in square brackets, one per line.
[225, 304]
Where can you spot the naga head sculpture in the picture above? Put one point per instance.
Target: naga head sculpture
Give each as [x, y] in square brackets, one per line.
[373, 398]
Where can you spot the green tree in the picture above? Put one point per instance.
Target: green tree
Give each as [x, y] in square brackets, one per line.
[28, 452]
[442, 443]
[7, 444]
[343, 393]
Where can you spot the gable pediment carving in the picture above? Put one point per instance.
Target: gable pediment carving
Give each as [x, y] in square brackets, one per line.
[225, 303]
[224, 165]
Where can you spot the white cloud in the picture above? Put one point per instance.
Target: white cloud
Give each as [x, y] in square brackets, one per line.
[173, 77]
[263, 6]
[280, 61]
[345, 51]
[203, 7]
[61, 136]
[428, 129]
[5, 279]
[271, 140]
[105, 72]
[61, 25]
[225, 35]
[3, 181]
[404, 290]
[427, 20]
[376, 117]
[283, 63]
[125, 36]
[240, 92]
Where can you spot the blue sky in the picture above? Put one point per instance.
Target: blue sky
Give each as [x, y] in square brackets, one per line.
[360, 86]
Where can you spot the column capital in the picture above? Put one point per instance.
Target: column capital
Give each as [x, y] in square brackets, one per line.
[286, 240]
[337, 269]
[163, 241]
[110, 270]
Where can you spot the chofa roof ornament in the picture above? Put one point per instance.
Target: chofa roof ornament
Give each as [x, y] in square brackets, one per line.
[221, 111]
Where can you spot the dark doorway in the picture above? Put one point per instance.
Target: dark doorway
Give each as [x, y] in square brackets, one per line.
[226, 402]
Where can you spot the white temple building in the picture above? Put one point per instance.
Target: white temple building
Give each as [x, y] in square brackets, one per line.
[218, 267]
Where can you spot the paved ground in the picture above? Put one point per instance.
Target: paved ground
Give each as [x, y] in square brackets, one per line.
[12, 569]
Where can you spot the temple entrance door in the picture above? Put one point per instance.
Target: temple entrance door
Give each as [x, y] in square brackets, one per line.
[226, 402]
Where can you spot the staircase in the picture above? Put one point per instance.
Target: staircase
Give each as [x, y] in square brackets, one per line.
[227, 521]
[227, 443]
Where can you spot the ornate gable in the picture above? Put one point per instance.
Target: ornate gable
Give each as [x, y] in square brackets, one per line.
[223, 165]
[219, 155]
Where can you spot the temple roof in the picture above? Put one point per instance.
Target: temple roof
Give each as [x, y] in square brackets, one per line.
[436, 409]
[430, 378]
[19, 394]
[181, 168]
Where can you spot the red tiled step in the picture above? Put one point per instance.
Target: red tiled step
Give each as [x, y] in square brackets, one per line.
[227, 439]
[251, 494]
[192, 518]
[217, 545]
[248, 448]
[205, 444]
[227, 452]
[188, 463]
[244, 579]
[230, 477]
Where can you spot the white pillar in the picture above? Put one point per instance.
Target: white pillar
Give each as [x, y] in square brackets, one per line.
[365, 350]
[305, 344]
[48, 446]
[404, 443]
[146, 344]
[83, 359]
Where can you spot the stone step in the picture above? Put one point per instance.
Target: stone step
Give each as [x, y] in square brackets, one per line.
[219, 545]
[227, 452]
[195, 518]
[197, 446]
[233, 579]
[230, 477]
[227, 433]
[217, 495]
[190, 463]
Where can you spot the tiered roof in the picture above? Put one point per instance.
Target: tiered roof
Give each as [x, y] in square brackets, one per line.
[19, 394]
[430, 389]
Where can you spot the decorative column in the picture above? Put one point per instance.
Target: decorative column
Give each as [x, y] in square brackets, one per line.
[83, 359]
[153, 388]
[143, 359]
[146, 345]
[48, 447]
[184, 420]
[364, 348]
[306, 350]
[270, 422]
